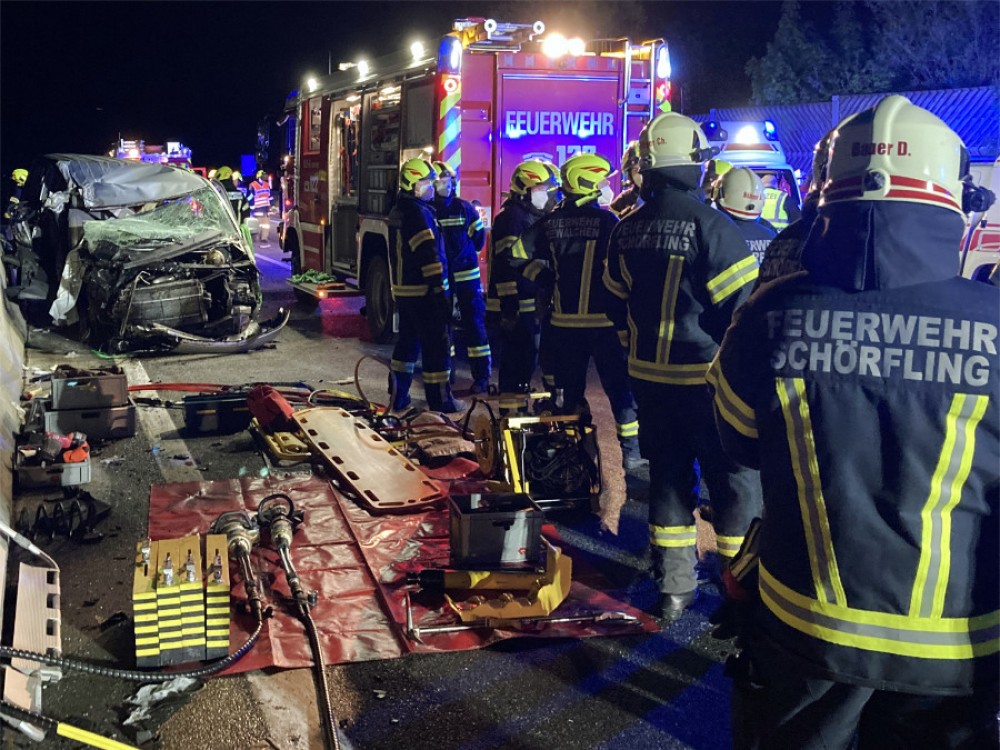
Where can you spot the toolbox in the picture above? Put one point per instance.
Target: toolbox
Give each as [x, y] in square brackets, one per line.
[104, 423]
[89, 391]
[49, 475]
[495, 529]
[216, 412]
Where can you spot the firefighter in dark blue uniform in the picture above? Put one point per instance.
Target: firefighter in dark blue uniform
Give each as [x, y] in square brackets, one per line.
[464, 236]
[783, 255]
[568, 249]
[420, 290]
[677, 269]
[867, 391]
[229, 181]
[510, 302]
[628, 199]
[740, 196]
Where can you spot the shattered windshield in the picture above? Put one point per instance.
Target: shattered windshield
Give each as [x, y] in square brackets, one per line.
[178, 221]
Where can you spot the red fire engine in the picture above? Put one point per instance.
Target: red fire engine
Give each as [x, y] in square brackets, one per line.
[489, 96]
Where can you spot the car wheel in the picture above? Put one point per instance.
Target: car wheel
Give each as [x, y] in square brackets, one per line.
[379, 307]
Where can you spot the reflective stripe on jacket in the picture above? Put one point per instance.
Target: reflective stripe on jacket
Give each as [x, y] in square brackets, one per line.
[416, 252]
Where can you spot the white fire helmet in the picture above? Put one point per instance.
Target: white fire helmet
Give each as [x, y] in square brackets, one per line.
[896, 151]
[672, 140]
[741, 193]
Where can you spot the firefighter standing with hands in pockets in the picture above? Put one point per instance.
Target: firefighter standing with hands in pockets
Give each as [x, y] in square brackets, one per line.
[676, 271]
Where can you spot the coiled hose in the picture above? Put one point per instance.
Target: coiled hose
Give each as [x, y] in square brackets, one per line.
[7, 652]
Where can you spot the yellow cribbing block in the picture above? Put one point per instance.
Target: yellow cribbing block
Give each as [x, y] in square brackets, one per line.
[217, 585]
[144, 603]
[193, 598]
[169, 569]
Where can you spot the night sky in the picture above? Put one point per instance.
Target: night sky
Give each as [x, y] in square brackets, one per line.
[73, 75]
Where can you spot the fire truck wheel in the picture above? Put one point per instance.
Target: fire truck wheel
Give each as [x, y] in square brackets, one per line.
[378, 301]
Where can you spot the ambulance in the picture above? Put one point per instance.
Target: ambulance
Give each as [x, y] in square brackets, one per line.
[482, 98]
[980, 250]
[755, 145]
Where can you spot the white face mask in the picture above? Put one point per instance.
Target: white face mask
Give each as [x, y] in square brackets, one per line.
[539, 199]
[443, 188]
[607, 195]
[425, 192]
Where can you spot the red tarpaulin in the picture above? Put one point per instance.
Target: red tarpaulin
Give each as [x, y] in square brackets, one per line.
[357, 563]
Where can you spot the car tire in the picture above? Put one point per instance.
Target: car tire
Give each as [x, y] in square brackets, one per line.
[379, 307]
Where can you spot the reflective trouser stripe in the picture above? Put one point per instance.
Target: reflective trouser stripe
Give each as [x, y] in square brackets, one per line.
[728, 546]
[478, 351]
[953, 466]
[672, 536]
[469, 275]
[812, 506]
[436, 377]
[398, 366]
[629, 429]
[903, 635]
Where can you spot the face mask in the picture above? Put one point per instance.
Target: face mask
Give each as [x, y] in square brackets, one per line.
[539, 199]
[443, 189]
[425, 193]
[607, 195]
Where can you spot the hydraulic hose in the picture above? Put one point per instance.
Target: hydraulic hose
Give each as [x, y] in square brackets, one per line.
[135, 675]
[277, 512]
[68, 731]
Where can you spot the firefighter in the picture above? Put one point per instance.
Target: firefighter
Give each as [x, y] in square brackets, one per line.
[740, 196]
[230, 182]
[779, 209]
[877, 560]
[510, 304]
[260, 202]
[783, 256]
[420, 290]
[18, 177]
[676, 271]
[464, 236]
[568, 249]
[628, 199]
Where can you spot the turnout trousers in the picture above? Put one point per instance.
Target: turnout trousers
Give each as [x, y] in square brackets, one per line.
[517, 351]
[423, 334]
[569, 351]
[787, 709]
[472, 307]
[678, 429]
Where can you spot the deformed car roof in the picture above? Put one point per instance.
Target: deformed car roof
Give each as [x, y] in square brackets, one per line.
[105, 182]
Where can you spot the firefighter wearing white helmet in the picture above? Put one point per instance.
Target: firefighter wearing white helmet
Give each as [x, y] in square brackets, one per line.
[868, 392]
[418, 268]
[783, 256]
[568, 249]
[510, 303]
[464, 236]
[676, 271]
[740, 196]
[628, 199]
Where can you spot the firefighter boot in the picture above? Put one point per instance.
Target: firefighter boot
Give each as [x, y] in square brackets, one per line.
[673, 570]
[439, 398]
[401, 400]
[632, 460]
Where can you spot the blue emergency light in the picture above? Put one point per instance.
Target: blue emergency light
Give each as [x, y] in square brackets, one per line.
[450, 56]
[770, 131]
[714, 131]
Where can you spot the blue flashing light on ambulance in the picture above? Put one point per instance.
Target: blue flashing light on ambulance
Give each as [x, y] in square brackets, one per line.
[486, 97]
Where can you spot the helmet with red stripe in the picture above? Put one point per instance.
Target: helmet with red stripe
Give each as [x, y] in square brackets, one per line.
[896, 151]
[741, 193]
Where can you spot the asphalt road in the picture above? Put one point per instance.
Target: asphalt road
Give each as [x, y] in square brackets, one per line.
[664, 690]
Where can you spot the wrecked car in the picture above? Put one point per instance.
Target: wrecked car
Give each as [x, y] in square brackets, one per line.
[140, 256]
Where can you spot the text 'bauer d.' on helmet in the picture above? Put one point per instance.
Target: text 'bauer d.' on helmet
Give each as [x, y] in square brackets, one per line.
[895, 183]
[741, 193]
